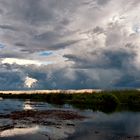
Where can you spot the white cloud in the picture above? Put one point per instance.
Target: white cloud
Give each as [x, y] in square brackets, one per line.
[30, 82]
[23, 62]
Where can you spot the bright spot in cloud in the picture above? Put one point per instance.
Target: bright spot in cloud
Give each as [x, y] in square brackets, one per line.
[29, 82]
[23, 62]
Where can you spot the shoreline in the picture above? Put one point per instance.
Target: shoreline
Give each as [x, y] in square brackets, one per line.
[71, 91]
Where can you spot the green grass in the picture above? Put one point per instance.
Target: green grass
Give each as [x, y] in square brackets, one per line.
[106, 101]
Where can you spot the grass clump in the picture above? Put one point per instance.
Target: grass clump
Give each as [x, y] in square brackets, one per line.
[102, 102]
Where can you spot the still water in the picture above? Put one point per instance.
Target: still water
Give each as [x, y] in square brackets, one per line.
[96, 125]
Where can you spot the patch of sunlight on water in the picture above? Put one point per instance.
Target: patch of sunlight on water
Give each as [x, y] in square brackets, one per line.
[51, 131]
[19, 131]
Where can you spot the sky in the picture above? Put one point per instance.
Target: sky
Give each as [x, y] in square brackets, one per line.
[69, 44]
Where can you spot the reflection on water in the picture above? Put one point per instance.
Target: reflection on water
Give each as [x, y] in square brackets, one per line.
[19, 131]
[7, 106]
[52, 131]
[124, 125]
[27, 105]
[99, 126]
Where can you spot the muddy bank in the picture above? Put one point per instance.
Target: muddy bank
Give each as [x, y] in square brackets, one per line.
[52, 124]
[48, 117]
[55, 114]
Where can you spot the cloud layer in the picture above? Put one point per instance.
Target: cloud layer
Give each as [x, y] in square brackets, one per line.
[70, 44]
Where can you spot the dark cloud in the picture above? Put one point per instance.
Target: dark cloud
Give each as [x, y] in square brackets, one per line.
[103, 2]
[128, 81]
[62, 45]
[106, 60]
[120, 59]
[8, 27]
[98, 30]
[10, 80]
[8, 55]
[29, 11]
[20, 44]
[48, 36]
[51, 79]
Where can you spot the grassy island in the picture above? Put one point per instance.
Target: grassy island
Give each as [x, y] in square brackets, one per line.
[106, 101]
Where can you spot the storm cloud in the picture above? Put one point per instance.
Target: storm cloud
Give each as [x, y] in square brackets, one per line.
[69, 44]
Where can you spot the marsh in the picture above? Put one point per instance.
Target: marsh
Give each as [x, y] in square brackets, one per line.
[85, 124]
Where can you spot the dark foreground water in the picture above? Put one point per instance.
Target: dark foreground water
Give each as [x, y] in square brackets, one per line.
[97, 125]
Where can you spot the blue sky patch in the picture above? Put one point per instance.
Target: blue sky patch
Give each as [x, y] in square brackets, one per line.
[2, 46]
[45, 53]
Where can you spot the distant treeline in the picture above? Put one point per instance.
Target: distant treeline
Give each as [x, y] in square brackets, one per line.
[106, 101]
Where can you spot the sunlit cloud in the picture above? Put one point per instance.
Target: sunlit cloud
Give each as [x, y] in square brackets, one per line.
[29, 82]
[23, 62]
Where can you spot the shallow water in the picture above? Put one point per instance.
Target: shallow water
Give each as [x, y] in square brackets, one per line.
[116, 126]
[97, 125]
[10, 105]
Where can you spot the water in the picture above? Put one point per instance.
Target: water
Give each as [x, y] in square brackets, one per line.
[97, 125]
[10, 105]
[121, 125]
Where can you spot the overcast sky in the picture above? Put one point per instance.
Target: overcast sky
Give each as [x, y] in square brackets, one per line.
[69, 44]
